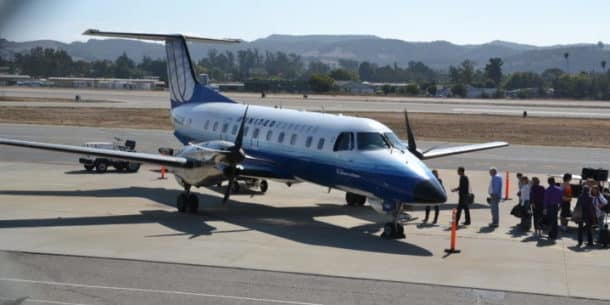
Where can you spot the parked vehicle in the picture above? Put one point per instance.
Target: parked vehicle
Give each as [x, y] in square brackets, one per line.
[101, 164]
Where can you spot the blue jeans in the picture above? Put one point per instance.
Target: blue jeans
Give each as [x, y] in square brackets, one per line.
[495, 209]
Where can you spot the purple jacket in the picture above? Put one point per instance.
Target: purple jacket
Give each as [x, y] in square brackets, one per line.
[537, 195]
[552, 196]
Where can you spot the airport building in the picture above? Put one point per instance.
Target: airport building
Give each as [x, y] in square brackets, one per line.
[13, 79]
[152, 83]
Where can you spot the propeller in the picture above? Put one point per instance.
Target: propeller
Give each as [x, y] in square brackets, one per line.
[234, 156]
[411, 138]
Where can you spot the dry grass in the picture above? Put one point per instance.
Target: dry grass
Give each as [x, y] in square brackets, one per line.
[439, 127]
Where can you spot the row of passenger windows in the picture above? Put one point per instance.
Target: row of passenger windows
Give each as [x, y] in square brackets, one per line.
[269, 137]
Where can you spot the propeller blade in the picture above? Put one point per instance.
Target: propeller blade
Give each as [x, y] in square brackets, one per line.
[411, 138]
[228, 190]
[239, 140]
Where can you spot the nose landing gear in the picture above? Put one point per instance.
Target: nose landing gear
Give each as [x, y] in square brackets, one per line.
[394, 229]
[187, 202]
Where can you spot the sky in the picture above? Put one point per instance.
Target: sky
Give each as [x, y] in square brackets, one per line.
[537, 22]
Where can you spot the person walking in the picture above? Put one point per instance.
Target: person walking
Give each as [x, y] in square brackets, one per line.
[463, 190]
[566, 200]
[537, 203]
[495, 194]
[436, 207]
[552, 200]
[526, 213]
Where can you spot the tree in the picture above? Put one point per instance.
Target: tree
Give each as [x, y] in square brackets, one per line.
[341, 74]
[493, 70]
[321, 83]
[123, 66]
[467, 72]
[366, 71]
[566, 55]
[603, 64]
[412, 89]
[458, 90]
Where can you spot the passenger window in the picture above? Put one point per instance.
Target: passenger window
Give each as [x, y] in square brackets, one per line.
[207, 124]
[266, 122]
[234, 131]
[293, 139]
[345, 141]
[225, 127]
[269, 134]
[321, 143]
[215, 126]
[272, 123]
[280, 138]
[255, 133]
[308, 141]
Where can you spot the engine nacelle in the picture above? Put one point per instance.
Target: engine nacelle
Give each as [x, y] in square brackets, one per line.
[209, 167]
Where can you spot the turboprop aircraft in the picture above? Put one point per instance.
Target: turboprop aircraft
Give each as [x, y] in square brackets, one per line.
[224, 141]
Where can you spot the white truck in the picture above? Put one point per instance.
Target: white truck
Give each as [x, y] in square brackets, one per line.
[101, 164]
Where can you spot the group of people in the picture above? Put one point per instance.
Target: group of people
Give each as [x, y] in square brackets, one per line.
[546, 204]
[546, 208]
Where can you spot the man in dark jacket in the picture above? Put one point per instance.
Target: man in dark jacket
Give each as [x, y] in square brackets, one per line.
[463, 190]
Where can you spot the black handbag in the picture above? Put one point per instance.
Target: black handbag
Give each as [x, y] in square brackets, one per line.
[516, 211]
[470, 198]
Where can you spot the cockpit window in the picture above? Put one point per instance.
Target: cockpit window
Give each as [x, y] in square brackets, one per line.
[371, 141]
[345, 141]
[394, 140]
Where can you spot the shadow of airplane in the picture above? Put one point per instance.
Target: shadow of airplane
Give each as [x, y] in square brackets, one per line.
[294, 223]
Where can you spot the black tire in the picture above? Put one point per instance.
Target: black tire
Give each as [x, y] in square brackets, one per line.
[101, 166]
[192, 203]
[133, 167]
[89, 167]
[181, 202]
[264, 186]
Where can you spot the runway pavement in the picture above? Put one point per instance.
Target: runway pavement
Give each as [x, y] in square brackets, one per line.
[160, 99]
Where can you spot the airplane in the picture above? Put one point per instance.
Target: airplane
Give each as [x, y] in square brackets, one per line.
[225, 140]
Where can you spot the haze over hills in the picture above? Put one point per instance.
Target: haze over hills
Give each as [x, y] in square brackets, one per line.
[436, 54]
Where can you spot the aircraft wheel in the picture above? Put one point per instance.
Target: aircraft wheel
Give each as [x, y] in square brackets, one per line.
[133, 167]
[264, 186]
[89, 167]
[192, 202]
[393, 230]
[101, 167]
[181, 202]
[235, 187]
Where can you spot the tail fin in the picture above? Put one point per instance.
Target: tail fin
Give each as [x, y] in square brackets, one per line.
[183, 84]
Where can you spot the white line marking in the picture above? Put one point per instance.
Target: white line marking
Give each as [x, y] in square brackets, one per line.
[199, 294]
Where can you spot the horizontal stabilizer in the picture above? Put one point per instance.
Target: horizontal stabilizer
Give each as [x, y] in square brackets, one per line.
[157, 37]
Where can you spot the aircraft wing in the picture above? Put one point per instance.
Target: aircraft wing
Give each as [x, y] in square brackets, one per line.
[107, 153]
[448, 151]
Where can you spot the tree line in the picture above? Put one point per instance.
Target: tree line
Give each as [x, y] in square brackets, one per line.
[290, 71]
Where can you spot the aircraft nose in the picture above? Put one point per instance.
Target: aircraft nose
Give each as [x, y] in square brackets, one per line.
[429, 191]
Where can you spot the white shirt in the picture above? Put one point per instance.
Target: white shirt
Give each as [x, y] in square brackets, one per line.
[525, 192]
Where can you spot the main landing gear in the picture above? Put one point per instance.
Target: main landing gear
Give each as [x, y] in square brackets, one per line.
[187, 202]
[394, 229]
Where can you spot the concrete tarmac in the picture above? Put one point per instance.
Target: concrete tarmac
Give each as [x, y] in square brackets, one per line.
[62, 209]
[50, 279]
[160, 99]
